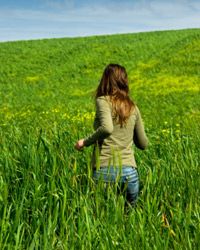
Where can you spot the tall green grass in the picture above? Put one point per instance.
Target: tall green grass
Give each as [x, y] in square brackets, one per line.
[48, 199]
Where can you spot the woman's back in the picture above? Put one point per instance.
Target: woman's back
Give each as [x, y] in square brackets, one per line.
[113, 140]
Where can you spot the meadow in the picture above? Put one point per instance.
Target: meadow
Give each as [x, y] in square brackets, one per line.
[48, 199]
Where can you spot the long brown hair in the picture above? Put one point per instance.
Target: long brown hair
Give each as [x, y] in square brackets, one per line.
[114, 83]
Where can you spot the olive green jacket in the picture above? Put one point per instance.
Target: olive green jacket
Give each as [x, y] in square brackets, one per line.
[113, 143]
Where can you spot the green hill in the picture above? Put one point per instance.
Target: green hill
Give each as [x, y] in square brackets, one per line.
[47, 197]
[44, 74]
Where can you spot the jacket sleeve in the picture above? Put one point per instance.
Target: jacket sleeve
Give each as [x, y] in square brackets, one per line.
[139, 136]
[103, 112]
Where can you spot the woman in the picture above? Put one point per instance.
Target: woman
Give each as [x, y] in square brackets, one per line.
[117, 125]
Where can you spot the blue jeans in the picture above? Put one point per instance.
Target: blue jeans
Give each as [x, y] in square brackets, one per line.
[126, 177]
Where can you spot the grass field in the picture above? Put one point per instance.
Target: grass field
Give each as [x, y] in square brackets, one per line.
[47, 196]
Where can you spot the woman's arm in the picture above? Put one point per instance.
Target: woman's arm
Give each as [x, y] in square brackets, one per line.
[103, 112]
[139, 137]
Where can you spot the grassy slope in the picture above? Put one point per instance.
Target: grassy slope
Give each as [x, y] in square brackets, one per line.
[47, 72]
[44, 85]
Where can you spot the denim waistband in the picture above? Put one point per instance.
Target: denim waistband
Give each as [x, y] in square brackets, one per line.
[112, 174]
[111, 170]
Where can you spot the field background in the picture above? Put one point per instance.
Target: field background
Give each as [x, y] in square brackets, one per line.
[47, 197]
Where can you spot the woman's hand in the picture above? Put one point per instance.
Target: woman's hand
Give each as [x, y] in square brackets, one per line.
[80, 144]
